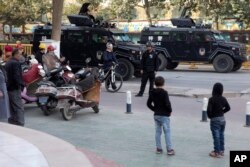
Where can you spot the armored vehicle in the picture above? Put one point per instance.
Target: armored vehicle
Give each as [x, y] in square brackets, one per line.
[189, 42]
[85, 39]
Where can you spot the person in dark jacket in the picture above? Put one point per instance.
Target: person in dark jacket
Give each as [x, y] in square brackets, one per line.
[40, 53]
[149, 65]
[108, 58]
[158, 102]
[217, 106]
[4, 98]
[14, 86]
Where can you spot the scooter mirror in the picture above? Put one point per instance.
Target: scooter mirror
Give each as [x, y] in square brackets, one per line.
[68, 68]
[88, 60]
[40, 67]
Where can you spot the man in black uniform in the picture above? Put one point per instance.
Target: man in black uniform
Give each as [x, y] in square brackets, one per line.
[149, 65]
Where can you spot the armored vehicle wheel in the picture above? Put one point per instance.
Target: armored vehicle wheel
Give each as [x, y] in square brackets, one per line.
[172, 65]
[237, 66]
[223, 63]
[162, 62]
[125, 69]
[96, 109]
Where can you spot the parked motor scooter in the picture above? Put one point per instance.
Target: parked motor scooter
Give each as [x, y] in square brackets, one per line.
[32, 74]
[85, 93]
[47, 88]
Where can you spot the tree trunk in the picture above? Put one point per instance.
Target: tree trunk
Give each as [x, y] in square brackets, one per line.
[147, 11]
[217, 22]
[10, 34]
[57, 19]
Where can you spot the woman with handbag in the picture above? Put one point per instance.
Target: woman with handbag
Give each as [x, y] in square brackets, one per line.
[4, 98]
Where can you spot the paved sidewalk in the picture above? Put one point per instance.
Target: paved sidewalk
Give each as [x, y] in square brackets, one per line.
[22, 147]
[128, 139]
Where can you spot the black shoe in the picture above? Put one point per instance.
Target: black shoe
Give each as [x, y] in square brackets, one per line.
[139, 95]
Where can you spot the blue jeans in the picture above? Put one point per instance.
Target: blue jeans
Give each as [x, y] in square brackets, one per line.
[218, 128]
[162, 122]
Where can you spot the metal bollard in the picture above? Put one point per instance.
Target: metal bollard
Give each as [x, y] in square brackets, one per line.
[129, 102]
[247, 115]
[204, 109]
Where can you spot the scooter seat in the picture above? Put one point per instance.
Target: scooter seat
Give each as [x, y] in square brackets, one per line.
[86, 84]
[48, 83]
[75, 86]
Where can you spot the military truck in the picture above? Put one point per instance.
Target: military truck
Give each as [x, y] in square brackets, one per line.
[189, 42]
[83, 39]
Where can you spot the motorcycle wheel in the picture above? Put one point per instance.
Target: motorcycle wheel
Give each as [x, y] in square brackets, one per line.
[66, 113]
[118, 83]
[96, 109]
[45, 110]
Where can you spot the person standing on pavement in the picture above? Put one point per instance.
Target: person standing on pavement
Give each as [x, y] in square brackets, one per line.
[149, 65]
[4, 98]
[217, 106]
[159, 103]
[14, 86]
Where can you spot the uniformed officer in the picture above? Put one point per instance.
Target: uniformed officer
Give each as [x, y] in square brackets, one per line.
[149, 65]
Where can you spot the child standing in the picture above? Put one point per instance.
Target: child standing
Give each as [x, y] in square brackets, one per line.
[217, 106]
[159, 103]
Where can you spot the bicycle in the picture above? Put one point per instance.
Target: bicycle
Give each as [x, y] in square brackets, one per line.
[113, 81]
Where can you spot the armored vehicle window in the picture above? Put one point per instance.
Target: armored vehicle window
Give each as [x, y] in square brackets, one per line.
[75, 37]
[98, 38]
[41, 35]
[202, 37]
[122, 37]
[226, 36]
[179, 36]
[218, 36]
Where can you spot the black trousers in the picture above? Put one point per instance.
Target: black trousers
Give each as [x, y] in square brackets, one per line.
[145, 77]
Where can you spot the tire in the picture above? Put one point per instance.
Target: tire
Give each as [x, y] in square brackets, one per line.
[237, 66]
[66, 114]
[162, 62]
[172, 65]
[118, 83]
[125, 69]
[96, 109]
[45, 110]
[223, 63]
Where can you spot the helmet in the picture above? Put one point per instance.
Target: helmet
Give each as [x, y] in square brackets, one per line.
[149, 44]
[42, 46]
[51, 48]
[109, 45]
[8, 48]
[19, 46]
